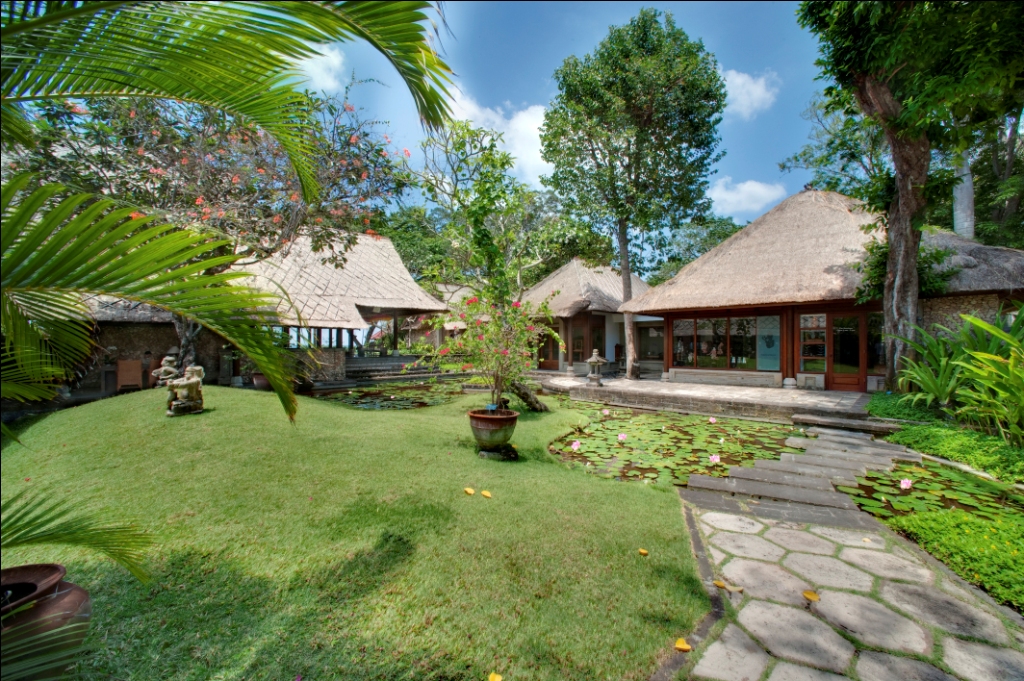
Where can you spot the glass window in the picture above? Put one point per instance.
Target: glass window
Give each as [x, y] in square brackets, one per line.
[682, 343]
[577, 342]
[876, 343]
[743, 343]
[812, 343]
[651, 341]
[711, 343]
[769, 343]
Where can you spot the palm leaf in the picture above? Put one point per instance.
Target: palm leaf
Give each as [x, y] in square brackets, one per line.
[33, 519]
[29, 651]
[235, 56]
[62, 248]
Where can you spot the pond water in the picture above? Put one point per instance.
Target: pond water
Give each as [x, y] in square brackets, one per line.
[667, 448]
[387, 396]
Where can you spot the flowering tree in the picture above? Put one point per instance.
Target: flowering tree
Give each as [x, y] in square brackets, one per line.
[500, 343]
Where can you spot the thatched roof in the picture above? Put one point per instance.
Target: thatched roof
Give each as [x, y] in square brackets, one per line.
[579, 287]
[373, 282]
[111, 309]
[803, 250]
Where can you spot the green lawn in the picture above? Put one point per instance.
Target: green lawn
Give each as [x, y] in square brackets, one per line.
[343, 546]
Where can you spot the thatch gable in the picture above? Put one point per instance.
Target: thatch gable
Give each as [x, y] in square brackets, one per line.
[802, 251]
[372, 282]
[582, 288]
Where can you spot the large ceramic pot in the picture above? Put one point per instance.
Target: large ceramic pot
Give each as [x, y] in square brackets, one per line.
[492, 427]
[260, 381]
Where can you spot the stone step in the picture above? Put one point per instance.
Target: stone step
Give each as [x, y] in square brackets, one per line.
[855, 467]
[825, 449]
[896, 451]
[822, 450]
[860, 425]
[854, 443]
[816, 430]
[838, 476]
[781, 478]
[769, 490]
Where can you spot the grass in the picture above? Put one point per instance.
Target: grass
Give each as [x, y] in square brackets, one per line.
[983, 552]
[978, 450]
[343, 546]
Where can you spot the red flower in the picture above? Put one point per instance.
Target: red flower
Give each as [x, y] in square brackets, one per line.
[261, 171]
[353, 139]
[517, 304]
[199, 201]
[277, 219]
[318, 220]
[136, 215]
[467, 366]
[444, 351]
[462, 315]
[294, 196]
[530, 328]
[478, 322]
[184, 161]
[364, 175]
[131, 114]
[472, 300]
[235, 179]
[140, 151]
[349, 107]
[504, 352]
[480, 337]
[407, 153]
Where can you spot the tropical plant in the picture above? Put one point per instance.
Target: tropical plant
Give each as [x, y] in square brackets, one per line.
[632, 136]
[993, 394]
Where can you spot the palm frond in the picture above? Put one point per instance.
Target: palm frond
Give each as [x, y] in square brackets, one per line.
[52, 256]
[28, 519]
[234, 56]
[30, 651]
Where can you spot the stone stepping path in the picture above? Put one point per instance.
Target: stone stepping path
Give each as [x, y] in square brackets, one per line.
[860, 425]
[884, 613]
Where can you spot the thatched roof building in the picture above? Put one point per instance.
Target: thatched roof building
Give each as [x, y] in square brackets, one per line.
[776, 303]
[579, 287]
[372, 284]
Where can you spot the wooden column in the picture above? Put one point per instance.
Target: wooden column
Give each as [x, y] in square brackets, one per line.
[568, 342]
[394, 335]
[668, 345]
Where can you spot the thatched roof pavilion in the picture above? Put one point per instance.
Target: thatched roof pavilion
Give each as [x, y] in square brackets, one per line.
[581, 288]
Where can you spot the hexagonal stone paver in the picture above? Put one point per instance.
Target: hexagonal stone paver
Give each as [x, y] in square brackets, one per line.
[850, 537]
[933, 607]
[804, 542]
[784, 671]
[872, 623]
[796, 635]
[881, 667]
[748, 546]
[716, 555]
[733, 657]
[887, 565]
[954, 589]
[827, 571]
[979, 662]
[732, 523]
[763, 580]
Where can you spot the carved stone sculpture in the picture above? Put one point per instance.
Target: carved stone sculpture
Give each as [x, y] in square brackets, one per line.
[185, 395]
[168, 371]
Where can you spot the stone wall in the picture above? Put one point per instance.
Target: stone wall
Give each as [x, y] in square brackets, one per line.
[763, 379]
[947, 310]
[330, 365]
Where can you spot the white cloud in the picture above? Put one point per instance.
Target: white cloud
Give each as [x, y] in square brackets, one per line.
[325, 71]
[521, 130]
[747, 95]
[745, 197]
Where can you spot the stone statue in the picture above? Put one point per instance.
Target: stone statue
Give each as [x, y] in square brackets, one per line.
[168, 371]
[186, 394]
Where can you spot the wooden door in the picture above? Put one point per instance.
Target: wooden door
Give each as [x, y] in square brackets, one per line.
[547, 354]
[847, 352]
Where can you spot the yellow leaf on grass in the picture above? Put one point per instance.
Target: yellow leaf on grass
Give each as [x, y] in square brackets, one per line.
[719, 583]
[682, 646]
[644, 552]
[485, 494]
[812, 596]
[495, 676]
[470, 491]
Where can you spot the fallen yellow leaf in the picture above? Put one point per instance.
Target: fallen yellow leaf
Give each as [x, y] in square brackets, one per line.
[682, 646]
[644, 552]
[865, 539]
[485, 494]
[812, 596]
[470, 491]
[494, 677]
[734, 589]
[719, 583]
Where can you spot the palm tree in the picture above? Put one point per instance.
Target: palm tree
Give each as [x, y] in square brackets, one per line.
[56, 247]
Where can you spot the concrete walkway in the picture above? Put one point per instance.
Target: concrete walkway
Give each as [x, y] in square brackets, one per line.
[772, 404]
[885, 611]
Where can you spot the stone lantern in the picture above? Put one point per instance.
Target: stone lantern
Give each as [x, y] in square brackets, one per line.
[595, 362]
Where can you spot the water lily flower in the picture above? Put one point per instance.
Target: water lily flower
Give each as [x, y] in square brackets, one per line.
[622, 437]
[721, 440]
[605, 412]
[575, 445]
[906, 483]
[715, 458]
[712, 419]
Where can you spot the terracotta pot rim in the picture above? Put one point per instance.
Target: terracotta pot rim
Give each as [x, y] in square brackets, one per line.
[493, 413]
[57, 574]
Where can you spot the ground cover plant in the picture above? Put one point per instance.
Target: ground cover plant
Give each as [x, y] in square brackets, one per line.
[963, 445]
[344, 547]
[395, 396]
[888, 405]
[667, 448]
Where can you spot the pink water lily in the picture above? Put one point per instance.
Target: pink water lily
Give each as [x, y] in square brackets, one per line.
[906, 483]
[715, 458]
[605, 412]
[622, 437]
[712, 419]
[575, 445]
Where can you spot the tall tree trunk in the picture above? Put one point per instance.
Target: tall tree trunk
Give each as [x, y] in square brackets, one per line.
[963, 199]
[188, 331]
[911, 157]
[632, 367]
[523, 392]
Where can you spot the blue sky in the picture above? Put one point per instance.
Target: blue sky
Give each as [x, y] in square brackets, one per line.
[504, 55]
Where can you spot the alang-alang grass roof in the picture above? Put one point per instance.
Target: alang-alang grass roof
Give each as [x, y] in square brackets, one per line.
[373, 282]
[803, 250]
[582, 288]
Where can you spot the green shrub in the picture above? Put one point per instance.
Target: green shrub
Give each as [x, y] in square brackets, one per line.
[892, 406]
[983, 552]
[992, 394]
[978, 450]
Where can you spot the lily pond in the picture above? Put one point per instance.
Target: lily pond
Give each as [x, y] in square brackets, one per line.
[930, 486]
[395, 395]
[667, 448]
